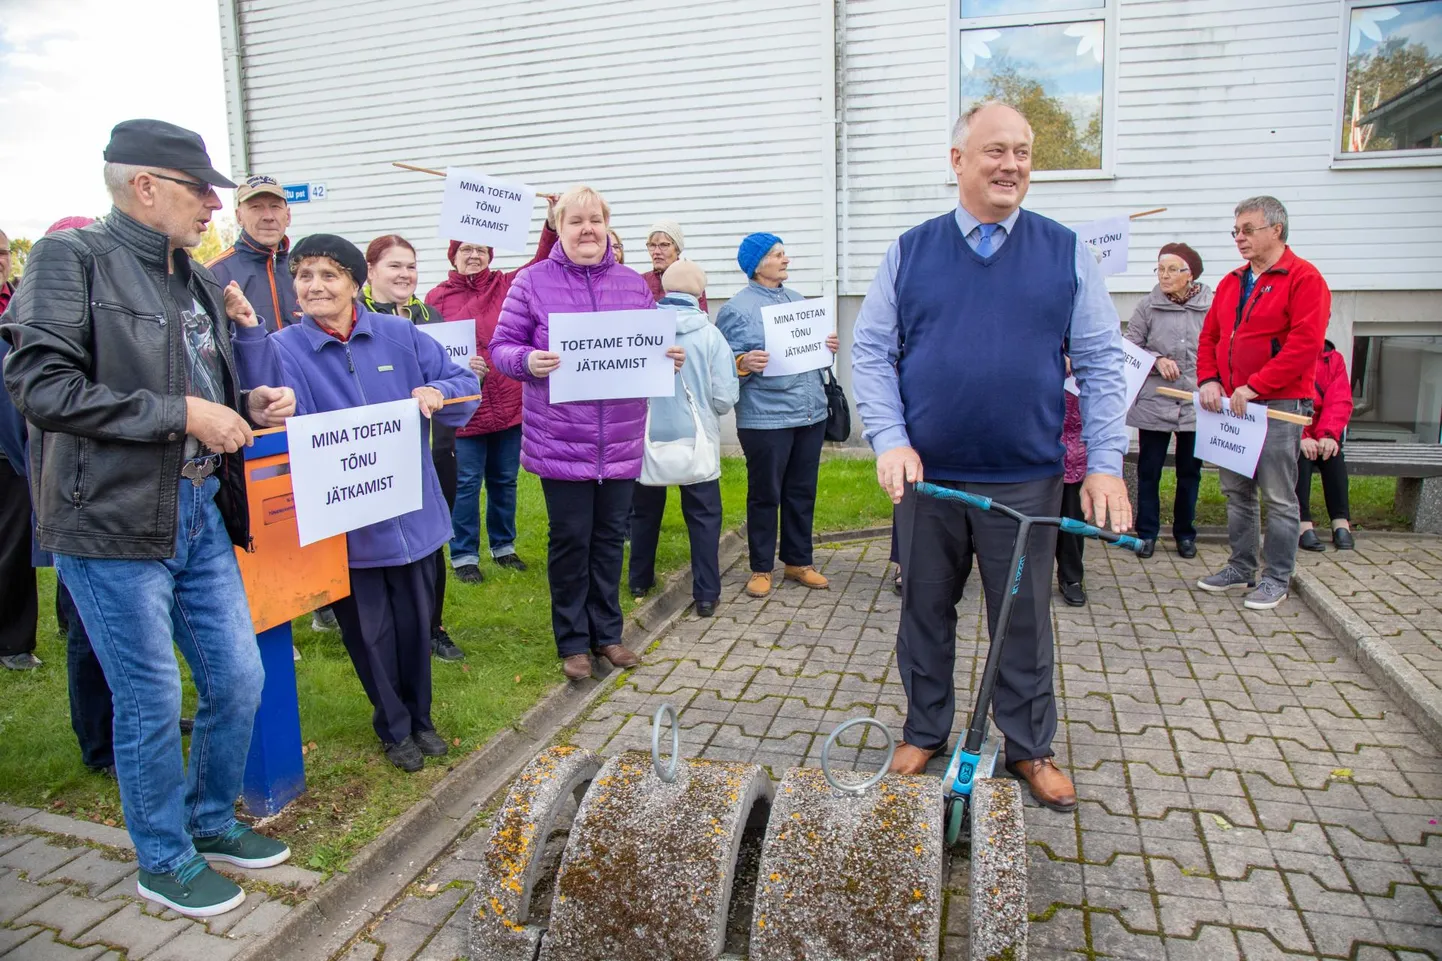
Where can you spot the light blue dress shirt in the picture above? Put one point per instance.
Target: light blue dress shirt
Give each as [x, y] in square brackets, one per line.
[1096, 355]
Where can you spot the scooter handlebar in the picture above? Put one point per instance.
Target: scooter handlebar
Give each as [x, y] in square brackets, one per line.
[951, 494]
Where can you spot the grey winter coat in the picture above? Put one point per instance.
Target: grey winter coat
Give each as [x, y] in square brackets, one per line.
[1171, 330]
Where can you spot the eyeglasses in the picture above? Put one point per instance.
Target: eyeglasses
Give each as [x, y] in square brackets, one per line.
[469, 251]
[1248, 230]
[1170, 271]
[200, 188]
[663, 245]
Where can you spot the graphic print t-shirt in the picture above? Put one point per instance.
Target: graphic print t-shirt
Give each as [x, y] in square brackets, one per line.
[205, 370]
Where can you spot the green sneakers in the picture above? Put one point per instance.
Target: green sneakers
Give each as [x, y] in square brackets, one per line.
[242, 846]
[194, 889]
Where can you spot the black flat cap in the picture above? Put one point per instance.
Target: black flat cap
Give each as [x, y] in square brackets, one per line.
[155, 143]
[337, 248]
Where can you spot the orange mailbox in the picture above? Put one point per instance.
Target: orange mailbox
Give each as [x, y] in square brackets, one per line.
[282, 580]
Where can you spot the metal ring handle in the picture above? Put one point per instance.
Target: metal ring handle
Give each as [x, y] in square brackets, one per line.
[667, 774]
[876, 778]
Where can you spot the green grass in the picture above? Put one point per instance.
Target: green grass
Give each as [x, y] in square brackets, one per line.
[353, 792]
[1370, 503]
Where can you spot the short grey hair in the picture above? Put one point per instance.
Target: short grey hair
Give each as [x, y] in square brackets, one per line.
[118, 179]
[962, 128]
[1269, 207]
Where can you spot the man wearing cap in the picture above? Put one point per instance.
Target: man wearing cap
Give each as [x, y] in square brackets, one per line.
[122, 366]
[257, 261]
[664, 244]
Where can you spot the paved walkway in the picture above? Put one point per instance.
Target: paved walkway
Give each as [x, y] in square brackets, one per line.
[1247, 791]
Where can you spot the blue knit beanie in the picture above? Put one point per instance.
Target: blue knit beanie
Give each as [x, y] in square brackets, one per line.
[753, 250]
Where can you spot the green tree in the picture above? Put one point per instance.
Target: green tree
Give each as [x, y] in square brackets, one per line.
[1059, 145]
[218, 236]
[1380, 75]
[19, 253]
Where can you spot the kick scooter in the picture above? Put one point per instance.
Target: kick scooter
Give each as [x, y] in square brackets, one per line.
[975, 757]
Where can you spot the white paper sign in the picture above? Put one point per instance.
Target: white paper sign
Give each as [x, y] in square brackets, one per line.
[1230, 440]
[482, 210]
[354, 467]
[458, 337]
[1109, 238]
[796, 336]
[613, 355]
[1072, 387]
[1136, 365]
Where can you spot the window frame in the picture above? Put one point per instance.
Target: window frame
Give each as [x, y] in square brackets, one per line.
[1368, 159]
[1109, 14]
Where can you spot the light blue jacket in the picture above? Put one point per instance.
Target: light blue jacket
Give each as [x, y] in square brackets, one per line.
[768, 403]
[709, 372]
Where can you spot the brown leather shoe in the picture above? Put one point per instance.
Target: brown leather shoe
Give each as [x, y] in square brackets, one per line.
[577, 667]
[619, 656]
[910, 759]
[760, 584]
[807, 576]
[1049, 785]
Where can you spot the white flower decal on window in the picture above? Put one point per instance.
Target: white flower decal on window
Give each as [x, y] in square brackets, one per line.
[974, 44]
[1365, 24]
[1088, 37]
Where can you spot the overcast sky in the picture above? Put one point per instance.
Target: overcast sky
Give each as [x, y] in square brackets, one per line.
[71, 69]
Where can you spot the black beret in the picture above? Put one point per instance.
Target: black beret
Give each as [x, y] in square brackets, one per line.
[337, 248]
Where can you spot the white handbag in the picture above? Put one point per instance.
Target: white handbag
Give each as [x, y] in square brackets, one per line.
[675, 463]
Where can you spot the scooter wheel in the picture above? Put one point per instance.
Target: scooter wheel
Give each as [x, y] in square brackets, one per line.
[955, 817]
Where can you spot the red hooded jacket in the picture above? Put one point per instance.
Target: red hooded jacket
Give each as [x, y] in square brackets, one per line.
[480, 296]
[1271, 342]
[1334, 397]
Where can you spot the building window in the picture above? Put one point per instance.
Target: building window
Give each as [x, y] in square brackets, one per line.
[1048, 58]
[1392, 96]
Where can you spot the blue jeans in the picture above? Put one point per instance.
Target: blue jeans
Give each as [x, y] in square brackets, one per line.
[496, 459]
[131, 610]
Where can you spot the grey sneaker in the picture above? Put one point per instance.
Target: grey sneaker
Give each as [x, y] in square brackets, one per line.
[194, 889]
[1224, 580]
[1267, 596]
[240, 845]
[21, 662]
[322, 620]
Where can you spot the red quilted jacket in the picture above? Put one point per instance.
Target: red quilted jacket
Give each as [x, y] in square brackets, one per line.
[1334, 397]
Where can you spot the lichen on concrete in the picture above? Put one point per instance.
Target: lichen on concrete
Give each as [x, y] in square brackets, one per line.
[998, 872]
[648, 870]
[514, 853]
[849, 877]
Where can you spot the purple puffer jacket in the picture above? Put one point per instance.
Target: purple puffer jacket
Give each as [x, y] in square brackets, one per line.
[585, 440]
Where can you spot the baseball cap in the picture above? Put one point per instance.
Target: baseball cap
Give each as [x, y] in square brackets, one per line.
[155, 143]
[258, 184]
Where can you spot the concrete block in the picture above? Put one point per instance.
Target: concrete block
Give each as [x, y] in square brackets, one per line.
[846, 876]
[511, 861]
[1420, 498]
[648, 871]
[998, 872]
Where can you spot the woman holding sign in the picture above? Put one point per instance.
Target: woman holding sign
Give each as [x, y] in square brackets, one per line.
[488, 449]
[780, 421]
[1167, 323]
[587, 453]
[340, 356]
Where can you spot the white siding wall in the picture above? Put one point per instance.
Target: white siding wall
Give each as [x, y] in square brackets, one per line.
[705, 114]
[1216, 100]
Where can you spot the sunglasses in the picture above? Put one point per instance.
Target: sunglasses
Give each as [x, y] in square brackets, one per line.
[199, 188]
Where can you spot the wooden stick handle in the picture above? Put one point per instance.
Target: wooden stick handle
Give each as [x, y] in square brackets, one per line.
[1290, 418]
[1144, 213]
[453, 400]
[419, 170]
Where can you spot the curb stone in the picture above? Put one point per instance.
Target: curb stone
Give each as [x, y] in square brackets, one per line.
[1419, 699]
[998, 872]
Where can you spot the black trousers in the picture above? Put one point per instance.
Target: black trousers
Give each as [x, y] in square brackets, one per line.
[443, 455]
[1334, 486]
[701, 507]
[584, 554]
[1151, 458]
[19, 597]
[781, 469]
[92, 715]
[385, 625]
[937, 540]
[1070, 547]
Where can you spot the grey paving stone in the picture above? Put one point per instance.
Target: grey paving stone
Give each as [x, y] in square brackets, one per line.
[18, 896]
[136, 933]
[93, 871]
[196, 945]
[261, 919]
[44, 947]
[68, 914]
[39, 857]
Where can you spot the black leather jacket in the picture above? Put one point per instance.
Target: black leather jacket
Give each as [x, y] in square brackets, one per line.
[98, 370]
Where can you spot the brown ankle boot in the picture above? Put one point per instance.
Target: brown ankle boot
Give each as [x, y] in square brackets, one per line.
[807, 576]
[577, 667]
[619, 656]
[759, 584]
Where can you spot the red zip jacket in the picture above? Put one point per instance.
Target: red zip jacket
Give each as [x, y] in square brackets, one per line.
[1270, 343]
[1334, 397]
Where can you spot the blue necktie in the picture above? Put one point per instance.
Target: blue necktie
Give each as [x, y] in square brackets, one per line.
[986, 247]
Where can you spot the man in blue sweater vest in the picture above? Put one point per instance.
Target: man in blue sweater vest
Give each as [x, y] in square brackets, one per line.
[958, 367]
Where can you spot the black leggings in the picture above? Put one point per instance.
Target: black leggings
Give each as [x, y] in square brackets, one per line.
[1334, 486]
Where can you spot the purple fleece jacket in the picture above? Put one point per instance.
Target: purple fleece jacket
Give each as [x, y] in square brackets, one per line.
[583, 440]
[385, 359]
